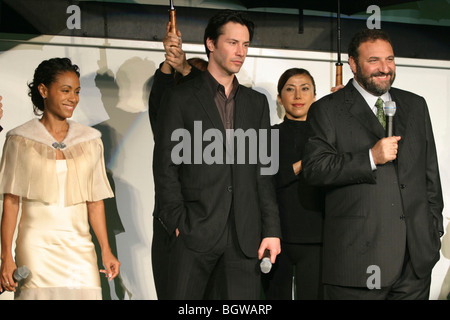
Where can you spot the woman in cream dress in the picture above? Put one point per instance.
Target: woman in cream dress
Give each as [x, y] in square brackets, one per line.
[56, 167]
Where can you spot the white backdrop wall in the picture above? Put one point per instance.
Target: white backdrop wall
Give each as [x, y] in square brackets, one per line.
[116, 78]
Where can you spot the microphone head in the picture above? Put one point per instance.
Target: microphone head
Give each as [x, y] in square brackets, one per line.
[389, 108]
[21, 273]
[265, 265]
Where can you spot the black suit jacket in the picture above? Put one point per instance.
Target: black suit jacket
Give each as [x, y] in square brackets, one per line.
[198, 198]
[371, 216]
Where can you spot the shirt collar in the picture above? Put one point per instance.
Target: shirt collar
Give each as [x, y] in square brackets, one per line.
[368, 97]
[215, 85]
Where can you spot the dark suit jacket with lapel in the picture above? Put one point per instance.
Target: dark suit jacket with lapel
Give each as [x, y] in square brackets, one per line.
[197, 198]
[371, 216]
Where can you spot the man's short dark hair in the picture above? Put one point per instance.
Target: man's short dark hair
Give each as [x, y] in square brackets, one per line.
[215, 24]
[365, 35]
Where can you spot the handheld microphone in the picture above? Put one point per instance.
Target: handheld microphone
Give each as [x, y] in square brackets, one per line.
[265, 264]
[389, 110]
[20, 274]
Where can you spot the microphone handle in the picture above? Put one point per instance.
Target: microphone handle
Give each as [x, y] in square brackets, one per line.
[389, 126]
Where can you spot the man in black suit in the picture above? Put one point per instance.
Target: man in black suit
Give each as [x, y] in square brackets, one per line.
[222, 214]
[383, 216]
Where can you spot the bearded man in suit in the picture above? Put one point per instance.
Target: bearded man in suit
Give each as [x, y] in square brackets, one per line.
[383, 216]
[222, 215]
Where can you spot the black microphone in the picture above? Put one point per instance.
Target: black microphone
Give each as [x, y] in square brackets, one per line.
[20, 274]
[389, 111]
[265, 264]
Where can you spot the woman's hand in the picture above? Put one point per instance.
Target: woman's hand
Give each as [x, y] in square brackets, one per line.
[111, 264]
[6, 279]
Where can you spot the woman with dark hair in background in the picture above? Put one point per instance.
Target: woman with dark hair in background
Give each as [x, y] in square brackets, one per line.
[299, 204]
[56, 167]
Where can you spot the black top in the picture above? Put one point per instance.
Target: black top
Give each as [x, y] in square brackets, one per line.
[300, 205]
[162, 82]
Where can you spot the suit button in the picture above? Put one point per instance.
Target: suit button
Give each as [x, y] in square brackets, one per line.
[230, 189]
[402, 217]
[402, 186]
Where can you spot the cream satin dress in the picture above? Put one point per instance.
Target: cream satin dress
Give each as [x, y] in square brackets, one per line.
[55, 243]
[53, 239]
